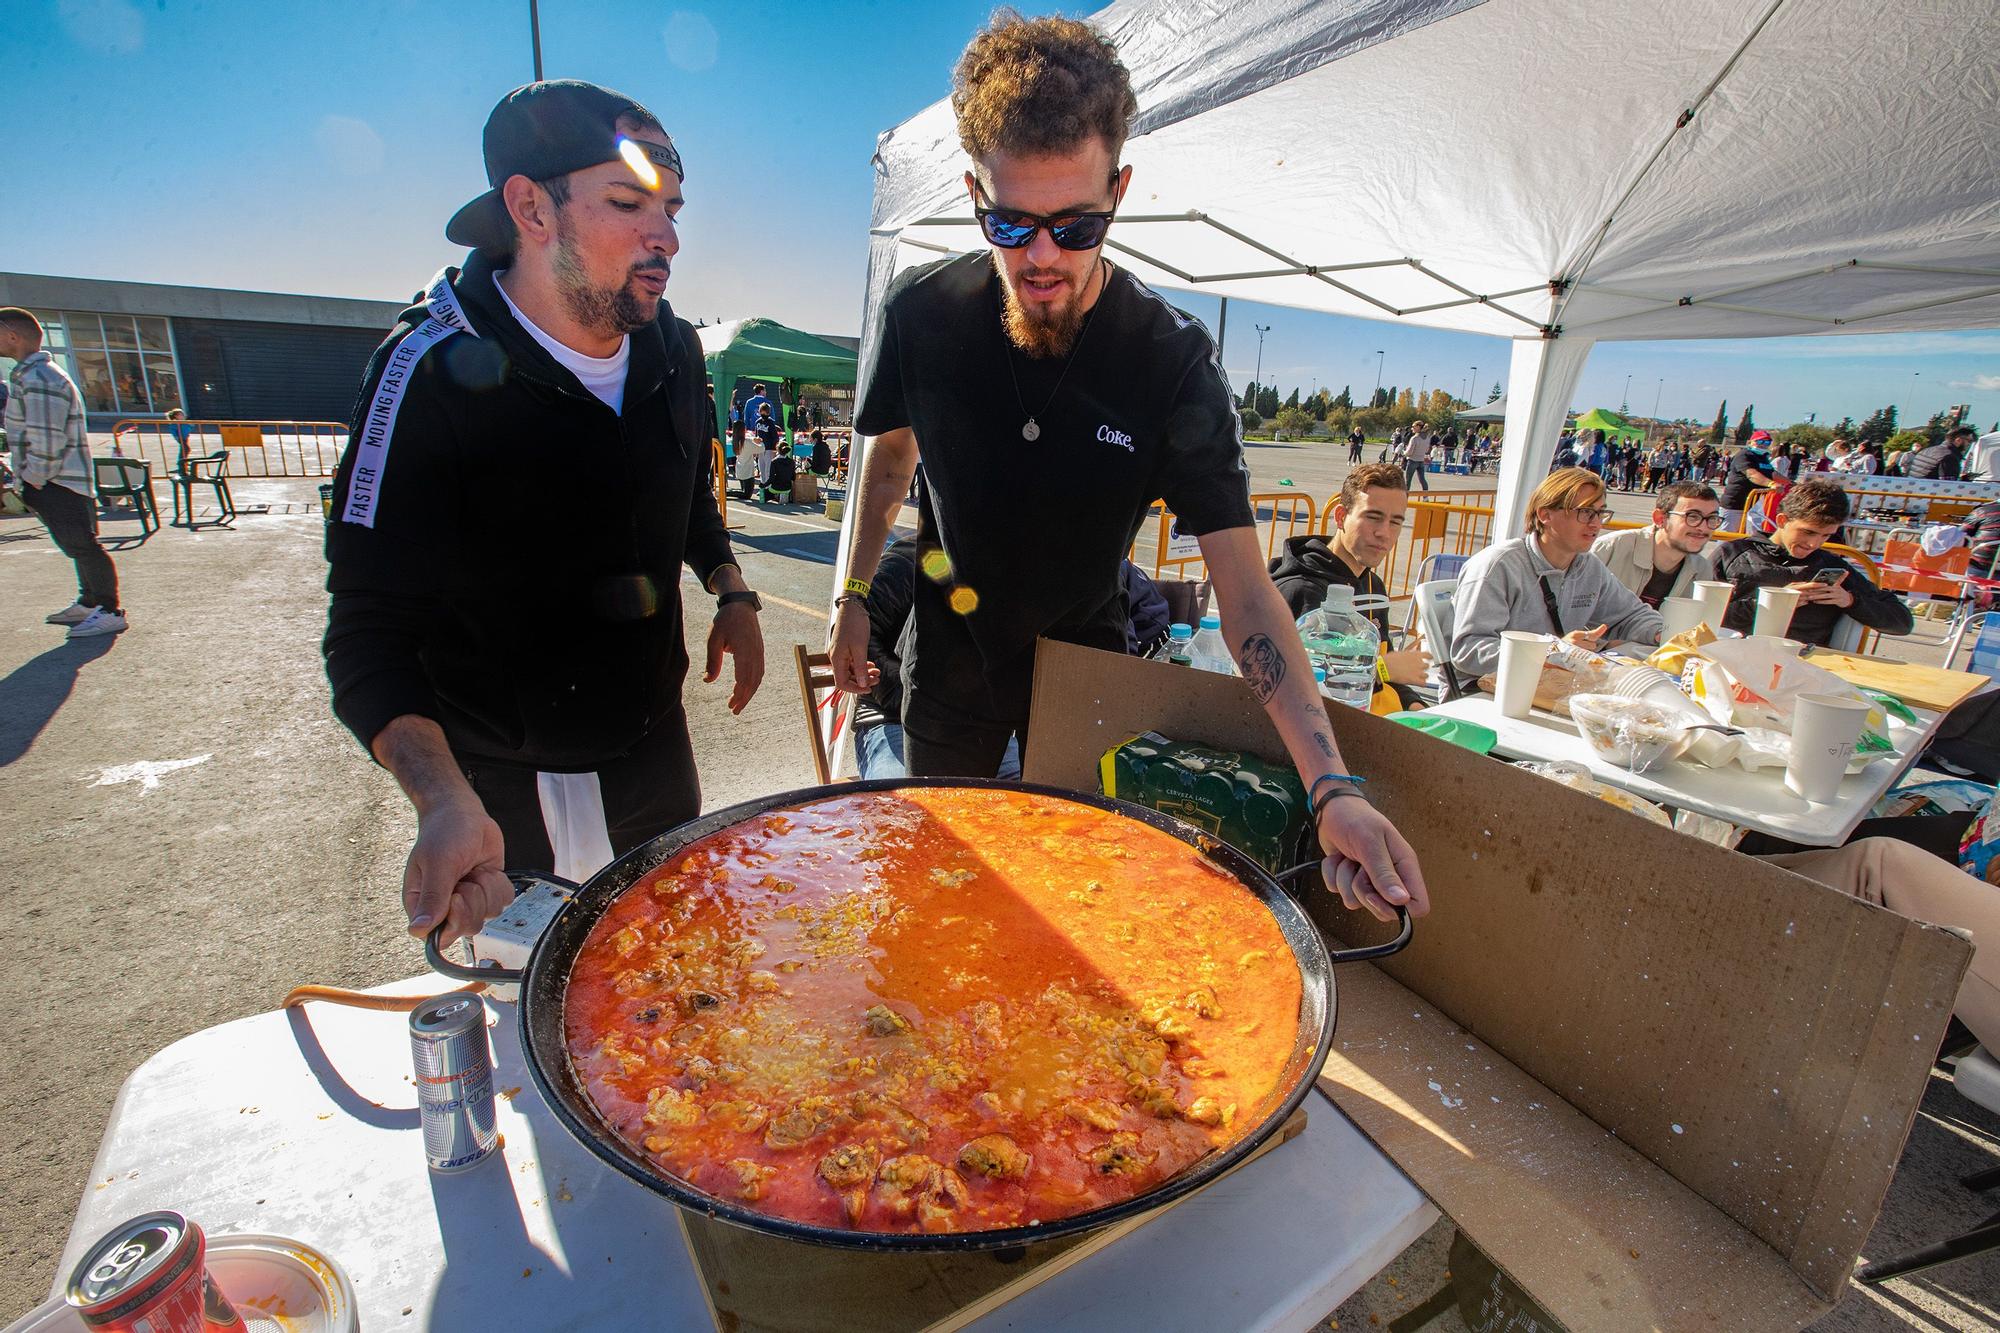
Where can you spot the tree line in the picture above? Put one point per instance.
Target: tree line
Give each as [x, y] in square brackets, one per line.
[1389, 408]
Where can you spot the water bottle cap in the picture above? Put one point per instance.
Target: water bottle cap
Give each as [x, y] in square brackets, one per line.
[1180, 630]
[1211, 622]
[1339, 595]
[1319, 675]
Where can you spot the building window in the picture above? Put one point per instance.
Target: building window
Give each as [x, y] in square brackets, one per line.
[122, 363]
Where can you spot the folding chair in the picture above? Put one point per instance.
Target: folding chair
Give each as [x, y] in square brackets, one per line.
[1434, 611]
[827, 709]
[128, 479]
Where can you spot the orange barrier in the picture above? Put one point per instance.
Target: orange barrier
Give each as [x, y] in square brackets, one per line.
[1290, 514]
[721, 479]
[256, 448]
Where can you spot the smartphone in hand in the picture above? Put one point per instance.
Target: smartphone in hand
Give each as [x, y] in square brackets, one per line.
[1831, 577]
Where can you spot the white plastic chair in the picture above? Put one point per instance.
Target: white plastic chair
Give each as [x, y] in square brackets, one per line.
[1434, 611]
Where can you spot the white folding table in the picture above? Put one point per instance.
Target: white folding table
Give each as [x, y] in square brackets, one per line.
[1755, 800]
[303, 1123]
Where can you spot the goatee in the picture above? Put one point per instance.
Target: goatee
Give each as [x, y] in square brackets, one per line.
[615, 310]
[1041, 335]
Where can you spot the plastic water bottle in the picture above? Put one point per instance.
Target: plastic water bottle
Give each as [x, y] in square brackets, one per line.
[1208, 652]
[1176, 649]
[1342, 642]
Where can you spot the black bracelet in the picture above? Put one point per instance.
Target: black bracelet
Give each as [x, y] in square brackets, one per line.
[1327, 798]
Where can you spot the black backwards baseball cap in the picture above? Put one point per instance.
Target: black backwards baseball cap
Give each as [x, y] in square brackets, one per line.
[549, 129]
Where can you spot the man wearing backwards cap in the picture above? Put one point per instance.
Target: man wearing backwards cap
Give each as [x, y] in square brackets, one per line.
[529, 470]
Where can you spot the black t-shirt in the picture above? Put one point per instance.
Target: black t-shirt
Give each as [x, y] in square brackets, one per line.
[1736, 489]
[1659, 586]
[1036, 529]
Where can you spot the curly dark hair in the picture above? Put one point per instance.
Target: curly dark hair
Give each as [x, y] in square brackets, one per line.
[1039, 87]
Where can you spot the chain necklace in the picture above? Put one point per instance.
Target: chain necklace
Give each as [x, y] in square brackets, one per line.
[1032, 430]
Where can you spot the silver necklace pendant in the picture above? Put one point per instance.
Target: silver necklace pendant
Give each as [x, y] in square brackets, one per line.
[1031, 432]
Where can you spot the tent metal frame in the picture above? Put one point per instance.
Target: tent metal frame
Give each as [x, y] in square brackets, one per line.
[1293, 268]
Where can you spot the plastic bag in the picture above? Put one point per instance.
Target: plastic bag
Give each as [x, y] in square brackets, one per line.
[1577, 778]
[1756, 681]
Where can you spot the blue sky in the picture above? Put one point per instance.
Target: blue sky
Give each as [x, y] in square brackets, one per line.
[319, 147]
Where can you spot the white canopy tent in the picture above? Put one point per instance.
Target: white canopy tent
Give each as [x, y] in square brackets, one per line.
[1538, 170]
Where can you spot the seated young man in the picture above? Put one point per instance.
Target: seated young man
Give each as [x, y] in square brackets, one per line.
[1368, 518]
[1665, 559]
[1829, 587]
[1548, 581]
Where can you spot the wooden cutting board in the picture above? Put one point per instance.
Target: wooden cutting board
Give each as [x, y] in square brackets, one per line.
[1915, 684]
[763, 1284]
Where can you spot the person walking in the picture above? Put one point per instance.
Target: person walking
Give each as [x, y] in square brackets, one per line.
[49, 444]
[522, 682]
[1417, 456]
[1355, 441]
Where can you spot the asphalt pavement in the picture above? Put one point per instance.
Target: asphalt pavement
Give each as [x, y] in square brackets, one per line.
[190, 834]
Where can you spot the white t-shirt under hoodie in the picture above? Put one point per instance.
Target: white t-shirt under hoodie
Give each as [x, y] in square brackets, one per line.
[604, 376]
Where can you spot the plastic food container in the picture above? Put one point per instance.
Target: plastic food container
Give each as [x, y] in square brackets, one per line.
[277, 1284]
[1634, 733]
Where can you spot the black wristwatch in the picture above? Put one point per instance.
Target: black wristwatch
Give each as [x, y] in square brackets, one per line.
[728, 598]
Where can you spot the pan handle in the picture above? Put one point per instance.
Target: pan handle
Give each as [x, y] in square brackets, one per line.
[523, 880]
[1366, 951]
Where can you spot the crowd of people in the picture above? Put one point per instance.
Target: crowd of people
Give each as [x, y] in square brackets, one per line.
[1632, 464]
[1417, 446]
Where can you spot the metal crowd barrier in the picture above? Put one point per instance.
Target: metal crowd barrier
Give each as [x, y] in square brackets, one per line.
[255, 448]
[1280, 515]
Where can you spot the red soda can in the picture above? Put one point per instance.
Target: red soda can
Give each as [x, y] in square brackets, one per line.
[150, 1275]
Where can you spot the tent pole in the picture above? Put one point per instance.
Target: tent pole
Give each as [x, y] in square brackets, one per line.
[1221, 330]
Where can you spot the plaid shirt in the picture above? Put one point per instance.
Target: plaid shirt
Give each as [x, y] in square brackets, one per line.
[45, 424]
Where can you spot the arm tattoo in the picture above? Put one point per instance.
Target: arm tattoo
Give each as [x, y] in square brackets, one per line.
[1325, 745]
[1263, 666]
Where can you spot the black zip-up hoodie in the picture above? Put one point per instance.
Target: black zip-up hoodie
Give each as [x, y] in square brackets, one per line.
[1307, 566]
[505, 556]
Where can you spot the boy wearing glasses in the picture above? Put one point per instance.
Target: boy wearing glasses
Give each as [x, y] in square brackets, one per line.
[1547, 582]
[1052, 397]
[1665, 559]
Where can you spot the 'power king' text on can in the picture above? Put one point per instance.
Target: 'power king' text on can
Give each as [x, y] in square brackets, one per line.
[454, 1080]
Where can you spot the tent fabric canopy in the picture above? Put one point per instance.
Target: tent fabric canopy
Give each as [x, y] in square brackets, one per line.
[1494, 411]
[1726, 184]
[1599, 418]
[766, 349]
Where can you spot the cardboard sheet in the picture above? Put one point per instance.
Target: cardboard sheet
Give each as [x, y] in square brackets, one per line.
[1915, 684]
[1761, 1040]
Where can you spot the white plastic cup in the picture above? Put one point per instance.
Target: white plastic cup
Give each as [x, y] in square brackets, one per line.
[1520, 670]
[1825, 728]
[1713, 594]
[1678, 615]
[1774, 611]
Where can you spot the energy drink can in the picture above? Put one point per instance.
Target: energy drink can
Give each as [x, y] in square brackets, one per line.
[454, 1067]
[150, 1275]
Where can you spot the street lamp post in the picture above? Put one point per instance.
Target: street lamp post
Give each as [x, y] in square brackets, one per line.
[1475, 386]
[1379, 356]
[535, 34]
[1262, 329]
[1656, 399]
[1912, 398]
[1625, 399]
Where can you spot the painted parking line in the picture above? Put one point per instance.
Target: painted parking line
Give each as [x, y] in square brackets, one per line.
[803, 554]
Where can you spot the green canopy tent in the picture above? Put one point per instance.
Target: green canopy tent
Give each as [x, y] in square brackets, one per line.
[1598, 418]
[767, 350]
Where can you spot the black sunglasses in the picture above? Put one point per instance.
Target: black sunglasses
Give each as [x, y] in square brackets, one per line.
[1010, 229]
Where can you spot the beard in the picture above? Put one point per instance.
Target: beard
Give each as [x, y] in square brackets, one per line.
[1043, 330]
[617, 310]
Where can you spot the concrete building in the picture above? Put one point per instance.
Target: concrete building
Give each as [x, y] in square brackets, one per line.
[138, 349]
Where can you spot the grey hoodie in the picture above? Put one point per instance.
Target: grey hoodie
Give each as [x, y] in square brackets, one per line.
[1498, 592]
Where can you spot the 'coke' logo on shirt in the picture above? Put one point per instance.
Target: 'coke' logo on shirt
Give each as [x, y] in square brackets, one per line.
[1117, 437]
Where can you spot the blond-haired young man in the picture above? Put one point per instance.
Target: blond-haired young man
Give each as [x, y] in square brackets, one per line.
[1547, 581]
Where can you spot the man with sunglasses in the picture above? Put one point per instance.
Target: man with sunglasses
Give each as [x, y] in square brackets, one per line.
[1051, 398]
[1665, 559]
[1547, 582]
